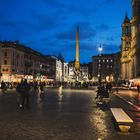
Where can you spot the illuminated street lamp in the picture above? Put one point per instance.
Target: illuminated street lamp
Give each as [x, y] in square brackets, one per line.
[100, 49]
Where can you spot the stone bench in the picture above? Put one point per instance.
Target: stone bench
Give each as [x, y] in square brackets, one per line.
[123, 120]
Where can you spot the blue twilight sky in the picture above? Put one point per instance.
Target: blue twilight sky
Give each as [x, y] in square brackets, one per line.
[49, 26]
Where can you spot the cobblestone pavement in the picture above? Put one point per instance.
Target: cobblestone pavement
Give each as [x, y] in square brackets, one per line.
[63, 115]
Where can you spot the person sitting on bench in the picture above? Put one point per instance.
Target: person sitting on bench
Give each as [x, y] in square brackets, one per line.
[101, 91]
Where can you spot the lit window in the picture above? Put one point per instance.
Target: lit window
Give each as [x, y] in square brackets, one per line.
[103, 60]
[107, 60]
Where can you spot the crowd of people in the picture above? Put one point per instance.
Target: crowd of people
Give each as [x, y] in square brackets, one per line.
[24, 88]
[104, 90]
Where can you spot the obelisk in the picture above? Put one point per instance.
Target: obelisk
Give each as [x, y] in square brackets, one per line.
[77, 63]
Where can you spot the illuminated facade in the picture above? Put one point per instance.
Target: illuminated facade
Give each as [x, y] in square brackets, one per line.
[57, 69]
[130, 50]
[65, 73]
[104, 65]
[84, 70]
[12, 63]
[18, 62]
[0, 61]
[59, 66]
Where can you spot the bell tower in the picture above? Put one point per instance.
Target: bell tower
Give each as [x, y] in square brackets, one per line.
[136, 8]
[135, 38]
[126, 45]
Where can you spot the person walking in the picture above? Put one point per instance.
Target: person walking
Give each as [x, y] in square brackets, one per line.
[25, 93]
[19, 95]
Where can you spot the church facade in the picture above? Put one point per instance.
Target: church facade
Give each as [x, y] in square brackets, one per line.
[130, 49]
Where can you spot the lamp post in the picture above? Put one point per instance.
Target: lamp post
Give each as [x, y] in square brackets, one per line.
[100, 52]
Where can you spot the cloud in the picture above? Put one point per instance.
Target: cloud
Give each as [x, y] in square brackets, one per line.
[68, 8]
[7, 1]
[8, 23]
[107, 2]
[82, 11]
[39, 23]
[67, 35]
[110, 38]
[110, 48]
[85, 32]
[102, 27]
[45, 22]
[54, 3]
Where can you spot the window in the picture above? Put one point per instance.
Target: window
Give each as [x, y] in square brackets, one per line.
[5, 62]
[126, 31]
[5, 53]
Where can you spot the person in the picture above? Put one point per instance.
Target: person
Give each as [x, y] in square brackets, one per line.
[107, 87]
[110, 87]
[41, 85]
[138, 88]
[25, 93]
[100, 91]
[3, 86]
[19, 91]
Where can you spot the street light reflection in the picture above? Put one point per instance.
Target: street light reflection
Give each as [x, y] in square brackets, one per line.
[98, 120]
[60, 94]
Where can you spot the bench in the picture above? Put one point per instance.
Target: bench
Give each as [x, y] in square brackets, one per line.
[123, 120]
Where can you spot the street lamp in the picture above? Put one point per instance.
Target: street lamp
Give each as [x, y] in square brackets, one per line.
[100, 49]
[100, 52]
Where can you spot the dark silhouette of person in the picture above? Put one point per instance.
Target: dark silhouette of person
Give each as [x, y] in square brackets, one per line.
[25, 93]
[110, 87]
[138, 88]
[100, 91]
[19, 90]
[3, 86]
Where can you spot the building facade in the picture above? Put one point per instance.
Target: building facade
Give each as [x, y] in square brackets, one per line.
[130, 50]
[117, 66]
[85, 71]
[65, 74]
[19, 61]
[103, 66]
[57, 69]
